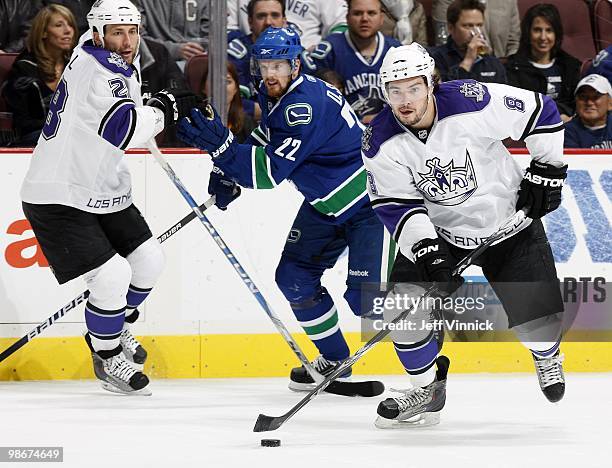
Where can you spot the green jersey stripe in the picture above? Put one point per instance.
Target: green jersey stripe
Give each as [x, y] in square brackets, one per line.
[262, 177]
[343, 197]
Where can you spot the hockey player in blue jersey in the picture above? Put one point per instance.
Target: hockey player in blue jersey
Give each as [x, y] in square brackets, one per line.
[356, 56]
[442, 182]
[261, 14]
[309, 135]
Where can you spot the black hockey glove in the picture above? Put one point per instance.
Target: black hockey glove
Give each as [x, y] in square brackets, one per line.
[224, 189]
[540, 189]
[433, 264]
[175, 103]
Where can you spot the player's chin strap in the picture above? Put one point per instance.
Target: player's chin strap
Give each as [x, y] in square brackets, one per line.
[270, 423]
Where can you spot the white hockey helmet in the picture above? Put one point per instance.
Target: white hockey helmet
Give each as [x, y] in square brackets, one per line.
[105, 12]
[406, 61]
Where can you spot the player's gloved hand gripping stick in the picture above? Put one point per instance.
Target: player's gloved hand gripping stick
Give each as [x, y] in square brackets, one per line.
[270, 423]
[340, 388]
[83, 296]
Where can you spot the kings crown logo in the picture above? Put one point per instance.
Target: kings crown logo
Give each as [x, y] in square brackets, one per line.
[448, 185]
[117, 60]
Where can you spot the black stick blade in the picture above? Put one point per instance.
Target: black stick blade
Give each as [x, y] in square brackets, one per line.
[267, 423]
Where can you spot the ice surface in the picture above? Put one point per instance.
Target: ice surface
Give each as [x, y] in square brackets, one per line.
[489, 421]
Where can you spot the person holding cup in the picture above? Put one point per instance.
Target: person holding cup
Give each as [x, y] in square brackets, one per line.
[467, 53]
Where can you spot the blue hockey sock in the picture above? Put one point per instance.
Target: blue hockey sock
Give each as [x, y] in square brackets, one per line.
[104, 326]
[320, 322]
[135, 296]
[418, 359]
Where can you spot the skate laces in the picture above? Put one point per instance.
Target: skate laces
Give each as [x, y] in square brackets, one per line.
[550, 370]
[321, 364]
[120, 368]
[128, 341]
[410, 398]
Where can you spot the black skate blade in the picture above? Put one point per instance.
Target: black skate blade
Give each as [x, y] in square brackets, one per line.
[369, 388]
[267, 423]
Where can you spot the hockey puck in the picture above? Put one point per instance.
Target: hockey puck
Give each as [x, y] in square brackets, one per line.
[270, 442]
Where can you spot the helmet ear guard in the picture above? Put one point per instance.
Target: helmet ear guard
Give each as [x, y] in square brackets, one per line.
[408, 61]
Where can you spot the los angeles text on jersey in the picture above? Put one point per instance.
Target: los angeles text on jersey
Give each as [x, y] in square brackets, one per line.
[109, 202]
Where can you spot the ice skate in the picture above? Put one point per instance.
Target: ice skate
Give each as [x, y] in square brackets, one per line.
[301, 381]
[550, 376]
[132, 349]
[116, 373]
[417, 407]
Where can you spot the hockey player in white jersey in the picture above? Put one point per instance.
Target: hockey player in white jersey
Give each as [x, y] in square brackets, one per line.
[441, 181]
[77, 193]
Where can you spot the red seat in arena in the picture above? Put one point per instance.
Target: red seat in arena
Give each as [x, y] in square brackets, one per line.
[577, 32]
[603, 23]
[195, 69]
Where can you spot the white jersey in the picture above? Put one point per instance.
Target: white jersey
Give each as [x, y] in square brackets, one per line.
[462, 182]
[95, 114]
[313, 19]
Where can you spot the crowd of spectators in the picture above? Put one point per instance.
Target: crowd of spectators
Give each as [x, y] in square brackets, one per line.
[344, 41]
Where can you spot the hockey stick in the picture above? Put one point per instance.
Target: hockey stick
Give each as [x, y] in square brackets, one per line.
[340, 388]
[270, 423]
[83, 296]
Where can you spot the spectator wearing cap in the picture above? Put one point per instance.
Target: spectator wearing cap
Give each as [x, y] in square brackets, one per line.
[602, 64]
[592, 125]
[467, 54]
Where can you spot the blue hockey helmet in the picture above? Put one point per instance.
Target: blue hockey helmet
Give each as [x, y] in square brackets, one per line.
[277, 44]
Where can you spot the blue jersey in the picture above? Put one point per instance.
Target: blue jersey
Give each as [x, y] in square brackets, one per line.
[577, 135]
[360, 76]
[239, 53]
[312, 137]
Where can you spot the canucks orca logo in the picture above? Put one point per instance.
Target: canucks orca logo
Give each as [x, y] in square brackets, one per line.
[371, 104]
[298, 114]
[448, 185]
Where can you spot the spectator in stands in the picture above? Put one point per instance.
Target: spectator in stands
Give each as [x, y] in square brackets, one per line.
[238, 121]
[15, 19]
[37, 71]
[502, 24]
[356, 55]
[312, 19]
[541, 64]
[602, 64]
[181, 26]
[331, 77]
[405, 20]
[158, 70]
[466, 53]
[592, 125]
[79, 9]
[261, 15]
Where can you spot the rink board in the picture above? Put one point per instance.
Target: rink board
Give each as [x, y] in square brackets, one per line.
[201, 321]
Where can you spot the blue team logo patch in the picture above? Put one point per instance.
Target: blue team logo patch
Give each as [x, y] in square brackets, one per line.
[473, 90]
[513, 103]
[448, 185]
[298, 114]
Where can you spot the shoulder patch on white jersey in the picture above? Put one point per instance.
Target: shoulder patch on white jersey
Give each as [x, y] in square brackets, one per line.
[112, 61]
[298, 114]
[472, 90]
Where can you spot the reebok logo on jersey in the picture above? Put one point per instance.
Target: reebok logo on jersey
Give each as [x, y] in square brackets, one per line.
[362, 273]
